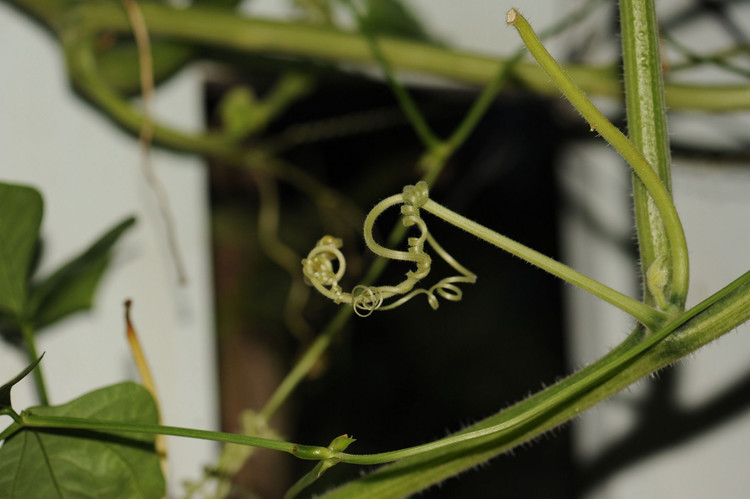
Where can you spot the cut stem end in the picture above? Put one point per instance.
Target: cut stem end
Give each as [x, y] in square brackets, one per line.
[511, 17]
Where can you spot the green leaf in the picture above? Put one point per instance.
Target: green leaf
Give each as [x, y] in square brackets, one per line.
[86, 464]
[21, 210]
[5, 403]
[72, 287]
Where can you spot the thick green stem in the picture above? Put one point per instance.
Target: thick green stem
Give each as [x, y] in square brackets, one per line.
[662, 198]
[647, 127]
[82, 66]
[213, 27]
[627, 363]
[644, 85]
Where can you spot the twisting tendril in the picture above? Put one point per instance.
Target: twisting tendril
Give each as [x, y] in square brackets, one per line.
[325, 264]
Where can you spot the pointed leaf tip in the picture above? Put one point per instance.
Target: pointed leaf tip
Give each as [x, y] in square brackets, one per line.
[5, 402]
[72, 287]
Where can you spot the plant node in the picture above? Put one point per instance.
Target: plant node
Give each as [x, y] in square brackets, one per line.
[657, 281]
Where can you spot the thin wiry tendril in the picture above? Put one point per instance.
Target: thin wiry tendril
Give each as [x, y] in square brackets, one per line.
[325, 264]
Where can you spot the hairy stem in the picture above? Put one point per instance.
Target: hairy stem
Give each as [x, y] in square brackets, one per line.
[662, 198]
[647, 127]
[645, 314]
[631, 360]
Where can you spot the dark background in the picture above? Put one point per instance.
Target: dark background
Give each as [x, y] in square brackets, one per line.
[411, 375]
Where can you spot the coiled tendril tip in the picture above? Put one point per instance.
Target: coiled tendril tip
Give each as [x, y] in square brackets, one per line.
[325, 264]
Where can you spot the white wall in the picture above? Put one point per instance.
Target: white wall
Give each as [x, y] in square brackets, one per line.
[90, 176]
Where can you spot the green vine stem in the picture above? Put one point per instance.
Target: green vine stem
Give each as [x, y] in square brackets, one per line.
[305, 364]
[526, 420]
[29, 340]
[408, 106]
[642, 168]
[29, 420]
[212, 27]
[647, 128]
[645, 314]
